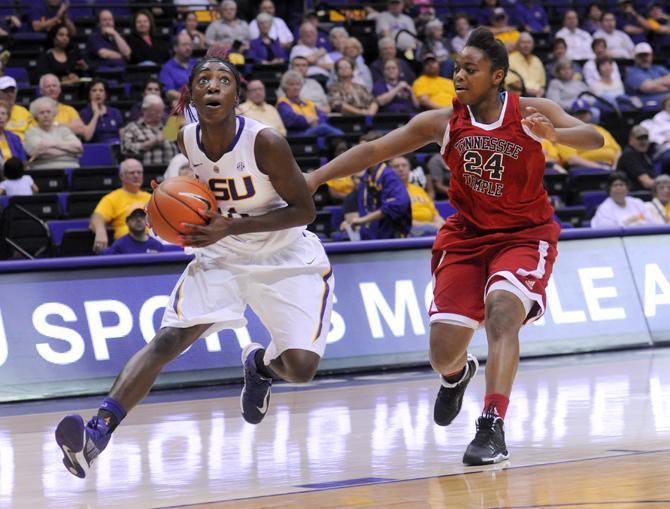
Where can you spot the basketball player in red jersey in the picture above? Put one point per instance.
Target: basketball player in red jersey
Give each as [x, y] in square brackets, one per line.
[492, 259]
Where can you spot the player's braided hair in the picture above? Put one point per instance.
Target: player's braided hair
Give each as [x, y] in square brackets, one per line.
[214, 54]
[484, 40]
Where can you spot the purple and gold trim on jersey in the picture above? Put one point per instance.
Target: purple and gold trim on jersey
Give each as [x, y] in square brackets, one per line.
[178, 295]
[324, 300]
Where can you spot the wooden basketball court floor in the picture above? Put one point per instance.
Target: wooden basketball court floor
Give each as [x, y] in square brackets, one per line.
[583, 431]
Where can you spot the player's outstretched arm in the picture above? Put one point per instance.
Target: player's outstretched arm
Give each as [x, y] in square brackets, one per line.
[548, 120]
[425, 128]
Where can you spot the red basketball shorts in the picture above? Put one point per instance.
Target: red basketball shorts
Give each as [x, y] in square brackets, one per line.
[466, 264]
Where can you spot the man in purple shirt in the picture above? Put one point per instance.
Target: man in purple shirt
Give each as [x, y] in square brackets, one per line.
[137, 241]
[106, 47]
[47, 13]
[175, 72]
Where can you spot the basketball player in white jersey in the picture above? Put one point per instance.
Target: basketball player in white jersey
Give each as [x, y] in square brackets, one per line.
[254, 250]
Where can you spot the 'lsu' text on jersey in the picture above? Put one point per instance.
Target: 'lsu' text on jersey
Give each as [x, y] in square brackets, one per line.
[240, 187]
[497, 170]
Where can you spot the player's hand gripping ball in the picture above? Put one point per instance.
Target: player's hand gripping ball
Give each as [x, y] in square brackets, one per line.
[178, 201]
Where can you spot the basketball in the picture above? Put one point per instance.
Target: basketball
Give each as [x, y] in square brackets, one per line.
[175, 201]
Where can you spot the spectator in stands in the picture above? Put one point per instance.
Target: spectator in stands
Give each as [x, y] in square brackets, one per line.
[229, 27]
[114, 207]
[9, 24]
[264, 49]
[301, 117]
[339, 188]
[531, 16]
[392, 94]
[658, 208]
[392, 21]
[594, 14]
[434, 42]
[62, 58]
[590, 70]
[191, 28]
[151, 86]
[619, 44]
[336, 38]
[439, 175]
[620, 210]
[66, 115]
[19, 117]
[384, 207]
[657, 22]
[644, 79]
[311, 89]
[604, 158]
[636, 161]
[558, 51]
[279, 30]
[50, 145]
[10, 143]
[388, 51]
[426, 220]
[101, 121]
[629, 21]
[353, 49]
[47, 13]
[502, 29]
[486, 13]
[321, 38]
[608, 86]
[175, 72]
[659, 134]
[146, 46]
[432, 90]
[137, 241]
[347, 97]
[320, 64]
[16, 182]
[144, 137]
[105, 47]
[578, 41]
[463, 30]
[527, 67]
[255, 107]
[565, 88]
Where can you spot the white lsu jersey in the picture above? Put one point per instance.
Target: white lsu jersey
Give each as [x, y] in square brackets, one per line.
[240, 188]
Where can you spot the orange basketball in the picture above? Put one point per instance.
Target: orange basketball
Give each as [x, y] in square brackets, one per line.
[178, 200]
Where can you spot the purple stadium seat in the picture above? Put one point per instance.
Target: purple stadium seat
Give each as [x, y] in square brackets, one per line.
[444, 208]
[96, 154]
[591, 200]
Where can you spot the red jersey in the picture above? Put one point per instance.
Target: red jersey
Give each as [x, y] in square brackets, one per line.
[496, 171]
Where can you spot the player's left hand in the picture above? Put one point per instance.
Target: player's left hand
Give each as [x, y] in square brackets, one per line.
[217, 228]
[539, 124]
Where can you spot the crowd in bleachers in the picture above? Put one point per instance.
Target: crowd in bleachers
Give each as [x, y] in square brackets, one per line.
[85, 85]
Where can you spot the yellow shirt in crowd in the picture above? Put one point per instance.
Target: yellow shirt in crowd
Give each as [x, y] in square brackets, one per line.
[608, 153]
[264, 113]
[116, 206]
[439, 90]
[423, 208]
[532, 72]
[19, 121]
[343, 185]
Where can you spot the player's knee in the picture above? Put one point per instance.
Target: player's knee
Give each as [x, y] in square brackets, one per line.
[168, 343]
[504, 315]
[300, 365]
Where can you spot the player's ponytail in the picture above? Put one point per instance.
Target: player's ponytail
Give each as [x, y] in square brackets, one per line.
[484, 40]
[182, 102]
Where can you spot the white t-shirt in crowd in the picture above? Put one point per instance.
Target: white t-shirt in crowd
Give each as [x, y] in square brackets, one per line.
[611, 215]
[18, 187]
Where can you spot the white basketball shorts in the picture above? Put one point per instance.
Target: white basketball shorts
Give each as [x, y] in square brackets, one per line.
[290, 290]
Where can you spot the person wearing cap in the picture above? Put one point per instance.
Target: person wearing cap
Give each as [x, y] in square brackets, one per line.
[604, 158]
[578, 41]
[620, 210]
[114, 207]
[524, 64]
[659, 206]
[432, 90]
[644, 79]
[505, 33]
[636, 162]
[137, 241]
[20, 118]
[66, 116]
[619, 43]
[391, 21]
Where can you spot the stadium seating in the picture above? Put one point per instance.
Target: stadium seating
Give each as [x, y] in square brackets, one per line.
[96, 154]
